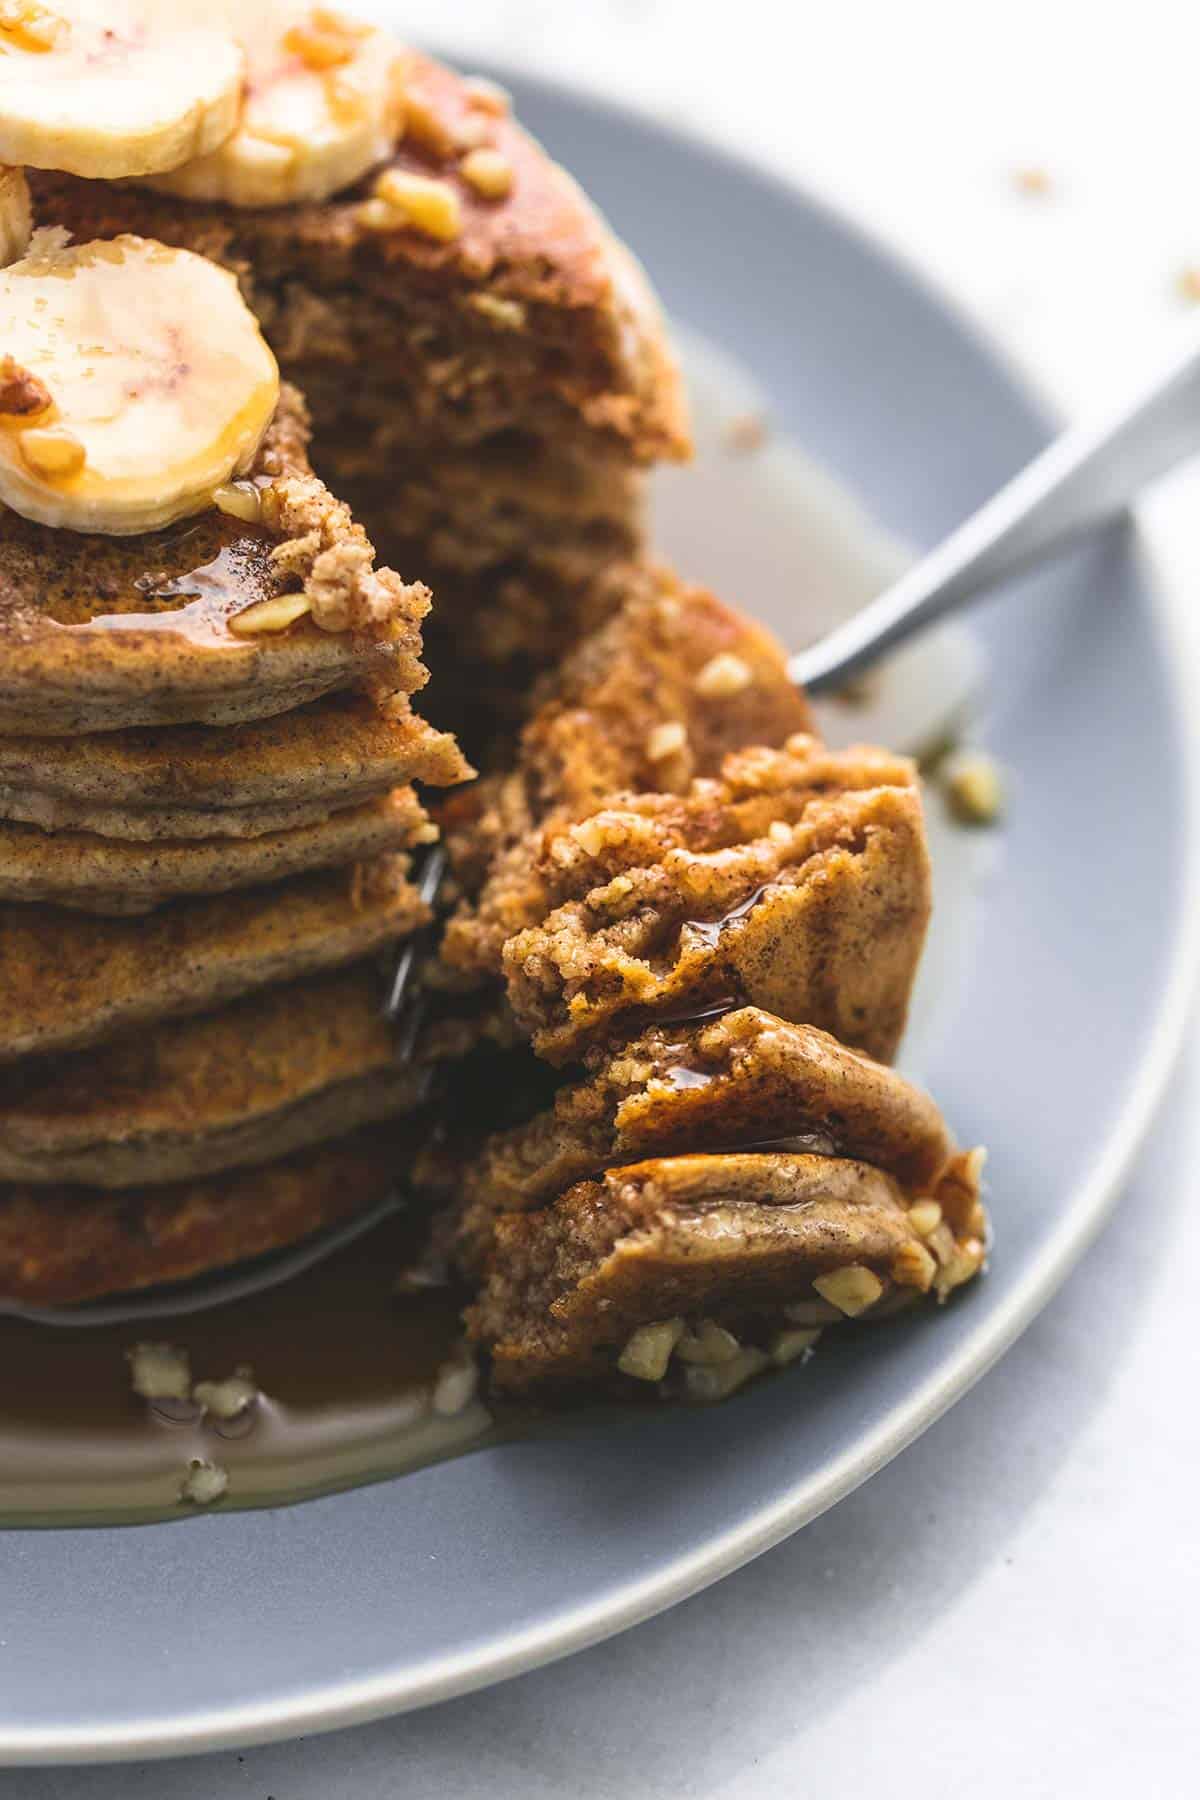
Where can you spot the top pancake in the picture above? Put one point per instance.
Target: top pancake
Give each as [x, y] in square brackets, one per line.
[100, 633]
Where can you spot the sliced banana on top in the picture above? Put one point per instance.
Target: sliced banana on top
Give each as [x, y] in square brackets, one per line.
[323, 105]
[16, 215]
[114, 87]
[135, 382]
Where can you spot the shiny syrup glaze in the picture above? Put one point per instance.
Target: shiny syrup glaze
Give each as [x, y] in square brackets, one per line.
[197, 604]
[344, 1365]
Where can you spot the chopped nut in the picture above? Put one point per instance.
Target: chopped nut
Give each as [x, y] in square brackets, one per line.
[589, 836]
[973, 788]
[748, 432]
[961, 1267]
[473, 132]
[319, 47]
[488, 172]
[790, 1346]
[52, 450]
[510, 315]
[913, 1266]
[487, 96]
[328, 18]
[271, 615]
[240, 499]
[377, 215]
[718, 1383]
[723, 677]
[205, 1482]
[942, 1242]
[429, 206]
[811, 1312]
[648, 1352]
[780, 832]
[1033, 181]
[708, 1346]
[427, 128]
[925, 1217]
[28, 25]
[22, 395]
[851, 1290]
[665, 741]
[455, 1386]
[160, 1372]
[229, 1398]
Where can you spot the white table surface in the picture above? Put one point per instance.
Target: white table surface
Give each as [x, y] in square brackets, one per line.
[1010, 1609]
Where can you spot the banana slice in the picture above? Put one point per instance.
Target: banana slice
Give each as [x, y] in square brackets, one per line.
[323, 104]
[139, 384]
[16, 215]
[114, 87]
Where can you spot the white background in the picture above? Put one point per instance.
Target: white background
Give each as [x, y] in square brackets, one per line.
[1011, 1609]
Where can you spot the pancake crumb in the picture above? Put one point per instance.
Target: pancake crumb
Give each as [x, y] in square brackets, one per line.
[205, 1483]
[160, 1372]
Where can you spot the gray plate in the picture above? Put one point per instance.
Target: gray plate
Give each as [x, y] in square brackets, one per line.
[1055, 1047]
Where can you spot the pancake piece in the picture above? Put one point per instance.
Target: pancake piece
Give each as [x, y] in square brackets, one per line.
[799, 882]
[198, 781]
[100, 633]
[265, 1076]
[718, 1264]
[107, 876]
[71, 981]
[63, 1245]
[744, 1078]
[663, 693]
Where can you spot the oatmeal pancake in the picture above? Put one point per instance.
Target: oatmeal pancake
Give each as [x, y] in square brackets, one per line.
[70, 980]
[261, 1078]
[114, 876]
[198, 781]
[62, 1245]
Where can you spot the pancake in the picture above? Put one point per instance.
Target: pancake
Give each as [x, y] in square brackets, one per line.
[62, 1245]
[108, 876]
[267, 1075]
[741, 1079]
[100, 633]
[198, 781]
[799, 882]
[634, 708]
[69, 980]
[728, 1262]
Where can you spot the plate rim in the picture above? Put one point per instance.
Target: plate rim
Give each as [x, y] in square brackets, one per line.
[1094, 1198]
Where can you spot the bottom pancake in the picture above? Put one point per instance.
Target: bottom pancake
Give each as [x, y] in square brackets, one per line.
[63, 1245]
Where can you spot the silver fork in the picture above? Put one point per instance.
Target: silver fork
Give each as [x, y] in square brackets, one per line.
[1085, 479]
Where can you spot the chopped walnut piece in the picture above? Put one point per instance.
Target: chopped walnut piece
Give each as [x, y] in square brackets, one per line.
[510, 315]
[959, 1268]
[791, 1344]
[487, 96]
[718, 1383]
[851, 1290]
[160, 1372]
[708, 1346]
[666, 740]
[427, 205]
[52, 450]
[913, 1266]
[925, 1217]
[240, 500]
[29, 25]
[428, 128]
[229, 1398]
[204, 1483]
[319, 46]
[22, 395]
[973, 788]
[266, 616]
[489, 172]
[648, 1353]
[724, 676]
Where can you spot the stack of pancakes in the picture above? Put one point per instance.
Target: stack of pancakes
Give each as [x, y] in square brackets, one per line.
[204, 846]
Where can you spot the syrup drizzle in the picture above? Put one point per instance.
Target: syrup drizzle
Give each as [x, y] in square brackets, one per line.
[199, 603]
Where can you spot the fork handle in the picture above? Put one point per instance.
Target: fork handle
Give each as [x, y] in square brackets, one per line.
[1085, 478]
